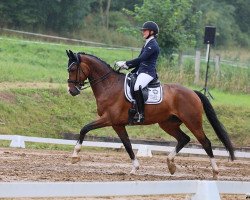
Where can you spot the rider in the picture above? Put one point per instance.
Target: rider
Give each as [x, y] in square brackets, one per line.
[145, 65]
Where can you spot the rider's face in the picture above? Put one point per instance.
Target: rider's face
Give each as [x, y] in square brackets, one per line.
[145, 33]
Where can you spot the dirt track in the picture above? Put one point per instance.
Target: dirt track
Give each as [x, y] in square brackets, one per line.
[109, 165]
[34, 85]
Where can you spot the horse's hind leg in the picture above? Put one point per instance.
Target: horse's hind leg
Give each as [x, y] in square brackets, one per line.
[206, 144]
[182, 139]
[196, 128]
[123, 135]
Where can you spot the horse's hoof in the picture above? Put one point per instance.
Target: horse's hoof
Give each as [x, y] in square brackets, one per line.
[171, 166]
[134, 171]
[75, 159]
[215, 175]
[135, 166]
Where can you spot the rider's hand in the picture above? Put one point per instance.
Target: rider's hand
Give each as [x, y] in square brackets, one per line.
[121, 64]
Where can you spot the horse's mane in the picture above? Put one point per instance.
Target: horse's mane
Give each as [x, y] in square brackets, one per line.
[102, 61]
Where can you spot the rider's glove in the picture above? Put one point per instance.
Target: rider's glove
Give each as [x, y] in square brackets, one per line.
[121, 64]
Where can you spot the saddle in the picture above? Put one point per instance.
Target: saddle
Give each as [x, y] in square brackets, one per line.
[152, 94]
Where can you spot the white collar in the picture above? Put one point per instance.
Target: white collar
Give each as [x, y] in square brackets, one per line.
[147, 40]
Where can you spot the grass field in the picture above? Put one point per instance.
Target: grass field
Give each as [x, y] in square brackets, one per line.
[46, 111]
[30, 61]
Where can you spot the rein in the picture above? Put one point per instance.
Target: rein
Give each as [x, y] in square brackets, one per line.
[95, 81]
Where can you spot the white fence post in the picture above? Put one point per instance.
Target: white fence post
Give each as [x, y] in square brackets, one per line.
[144, 151]
[180, 61]
[217, 65]
[18, 142]
[197, 67]
[206, 190]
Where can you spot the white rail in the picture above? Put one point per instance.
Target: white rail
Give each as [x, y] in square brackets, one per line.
[201, 190]
[143, 150]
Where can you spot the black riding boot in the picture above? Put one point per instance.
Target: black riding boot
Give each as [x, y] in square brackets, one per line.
[139, 116]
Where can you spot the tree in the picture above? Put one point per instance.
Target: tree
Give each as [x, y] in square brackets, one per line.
[104, 15]
[220, 15]
[118, 5]
[230, 17]
[242, 19]
[176, 20]
[60, 16]
[19, 13]
[241, 14]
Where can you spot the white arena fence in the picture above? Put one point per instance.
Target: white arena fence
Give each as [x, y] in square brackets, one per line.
[143, 149]
[197, 189]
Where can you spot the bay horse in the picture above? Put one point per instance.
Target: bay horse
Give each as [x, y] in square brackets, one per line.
[179, 105]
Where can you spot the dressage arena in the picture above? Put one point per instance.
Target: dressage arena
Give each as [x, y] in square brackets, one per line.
[113, 165]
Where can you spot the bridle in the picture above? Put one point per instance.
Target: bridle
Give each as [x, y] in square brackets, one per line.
[78, 82]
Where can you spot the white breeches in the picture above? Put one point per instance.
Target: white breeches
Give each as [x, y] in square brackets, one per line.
[143, 80]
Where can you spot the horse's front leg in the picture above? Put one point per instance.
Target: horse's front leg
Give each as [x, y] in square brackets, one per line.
[123, 135]
[91, 126]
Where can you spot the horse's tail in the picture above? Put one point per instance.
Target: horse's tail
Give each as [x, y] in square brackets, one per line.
[217, 126]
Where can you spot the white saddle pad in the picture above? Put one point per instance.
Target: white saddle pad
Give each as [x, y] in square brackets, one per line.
[154, 94]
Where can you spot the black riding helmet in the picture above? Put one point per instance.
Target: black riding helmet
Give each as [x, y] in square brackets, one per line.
[152, 26]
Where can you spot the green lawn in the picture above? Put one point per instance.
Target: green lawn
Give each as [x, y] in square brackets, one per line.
[31, 61]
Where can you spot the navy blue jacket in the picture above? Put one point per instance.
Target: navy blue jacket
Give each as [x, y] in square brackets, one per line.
[146, 61]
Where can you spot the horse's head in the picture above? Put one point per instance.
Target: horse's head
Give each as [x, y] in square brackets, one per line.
[78, 73]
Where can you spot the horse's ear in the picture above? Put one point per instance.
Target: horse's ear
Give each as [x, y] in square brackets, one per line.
[72, 55]
[68, 53]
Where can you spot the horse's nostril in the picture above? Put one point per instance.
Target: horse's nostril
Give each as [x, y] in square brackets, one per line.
[70, 91]
[74, 92]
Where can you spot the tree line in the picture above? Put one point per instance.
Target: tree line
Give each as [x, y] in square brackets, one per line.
[181, 22]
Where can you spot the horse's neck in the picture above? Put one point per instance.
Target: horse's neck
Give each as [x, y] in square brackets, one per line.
[98, 73]
[104, 79]
[98, 70]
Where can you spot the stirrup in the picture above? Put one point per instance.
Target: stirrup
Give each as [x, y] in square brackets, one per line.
[139, 118]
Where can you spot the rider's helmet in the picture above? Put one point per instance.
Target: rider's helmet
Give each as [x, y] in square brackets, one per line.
[152, 26]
